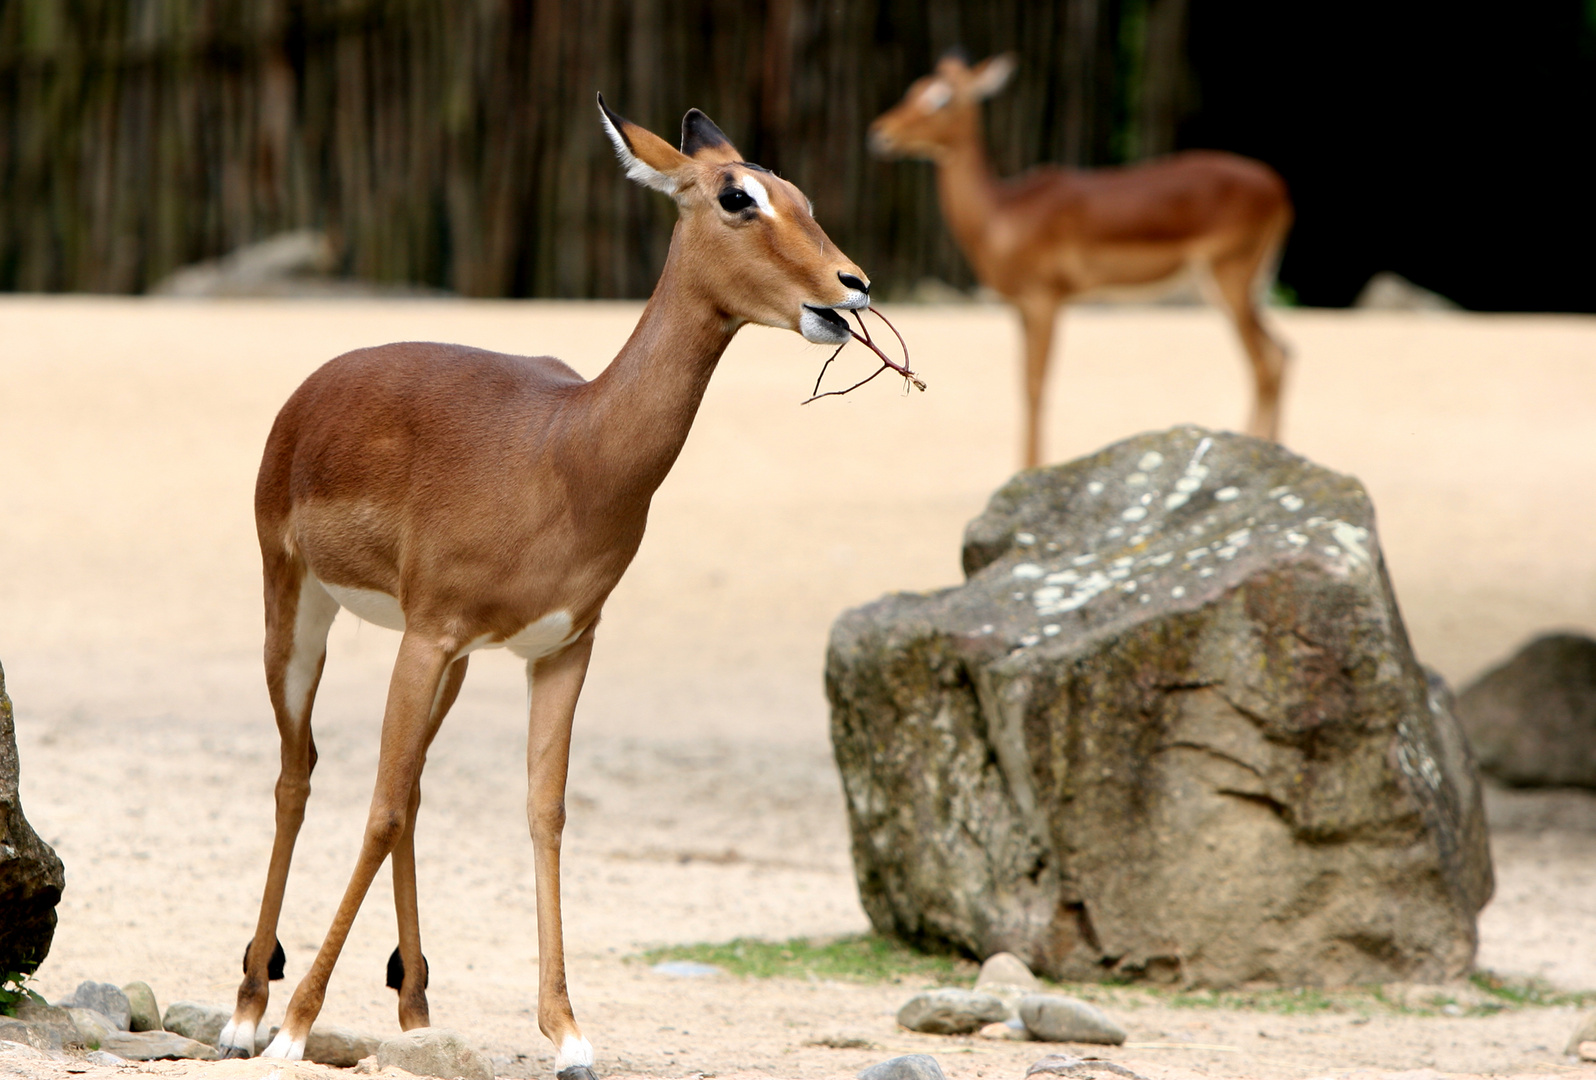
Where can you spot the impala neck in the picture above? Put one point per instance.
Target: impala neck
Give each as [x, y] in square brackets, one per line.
[966, 185]
[644, 403]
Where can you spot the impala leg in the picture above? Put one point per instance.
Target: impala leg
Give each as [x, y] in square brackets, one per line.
[553, 685]
[1236, 280]
[298, 615]
[412, 966]
[1037, 316]
[406, 728]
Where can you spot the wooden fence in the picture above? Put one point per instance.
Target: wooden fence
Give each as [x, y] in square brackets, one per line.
[456, 143]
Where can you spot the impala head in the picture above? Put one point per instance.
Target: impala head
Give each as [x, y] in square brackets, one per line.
[754, 245]
[939, 108]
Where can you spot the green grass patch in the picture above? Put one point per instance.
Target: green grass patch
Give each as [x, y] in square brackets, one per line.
[1297, 1002]
[856, 958]
[1524, 993]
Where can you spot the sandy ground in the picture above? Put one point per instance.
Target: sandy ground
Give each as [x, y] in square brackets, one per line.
[703, 801]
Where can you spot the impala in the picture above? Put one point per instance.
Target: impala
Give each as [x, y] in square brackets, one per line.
[1054, 235]
[472, 500]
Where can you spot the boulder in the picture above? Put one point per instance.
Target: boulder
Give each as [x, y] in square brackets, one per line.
[144, 1011]
[105, 999]
[1532, 720]
[906, 1067]
[1056, 1018]
[951, 1011]
[20, 1031]
[1170, 728]
[434, 1051]
[31, 877]
[54, 1024]
[156, 1046]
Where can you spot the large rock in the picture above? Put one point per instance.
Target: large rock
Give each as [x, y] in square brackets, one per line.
[31, 877]
[144, 1012]
[1532, 721]
[1171, 728]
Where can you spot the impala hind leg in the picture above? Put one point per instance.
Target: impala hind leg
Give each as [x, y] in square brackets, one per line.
[407, 968]
[406, 729]
[553, 685]
[298, 615]
[1236, 280]
[1038, 316]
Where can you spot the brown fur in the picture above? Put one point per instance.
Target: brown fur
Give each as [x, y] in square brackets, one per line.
[485, 492]
[1054, 234]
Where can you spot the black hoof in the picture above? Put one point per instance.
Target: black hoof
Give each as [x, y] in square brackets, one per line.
[396, 971]
[235, 1052]
[274, 966]
[575, 1072]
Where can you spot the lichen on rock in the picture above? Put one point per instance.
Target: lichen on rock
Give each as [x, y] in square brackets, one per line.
[1170, 728]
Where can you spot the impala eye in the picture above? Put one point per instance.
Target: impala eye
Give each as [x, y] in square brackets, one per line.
[735, 200]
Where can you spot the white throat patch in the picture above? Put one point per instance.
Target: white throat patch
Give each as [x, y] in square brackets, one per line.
[756, 191]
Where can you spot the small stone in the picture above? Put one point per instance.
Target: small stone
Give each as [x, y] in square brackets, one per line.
[1011, 1030]
[432, 1051]
[157, 1046]
[1586, 1051]
[907, 1067]
[105, 999]
[366, 1066]
[93, 1027]
[951, 1011]
[203, 1023]
[1006, 969]
[1055, 1018]
[103, 1057]
[146, 1013]
[1078, 1068]
[1584, 1033]
[332, 1045]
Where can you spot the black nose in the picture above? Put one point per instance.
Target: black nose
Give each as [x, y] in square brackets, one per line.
[854, 283]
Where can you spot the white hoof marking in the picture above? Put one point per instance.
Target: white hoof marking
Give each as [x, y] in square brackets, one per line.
[237, 1035]
[575, 1050]
[285, 1048]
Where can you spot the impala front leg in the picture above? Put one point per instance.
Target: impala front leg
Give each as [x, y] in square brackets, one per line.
[553, 685]
[406, 731]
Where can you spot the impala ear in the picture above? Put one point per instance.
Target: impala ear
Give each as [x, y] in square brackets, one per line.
[648, 159]
[703, 141]
[990, 75]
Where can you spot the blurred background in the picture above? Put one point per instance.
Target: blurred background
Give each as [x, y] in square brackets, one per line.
[454, 144]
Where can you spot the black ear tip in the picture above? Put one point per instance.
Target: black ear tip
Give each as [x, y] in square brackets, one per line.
[699, 131]
[958, 53]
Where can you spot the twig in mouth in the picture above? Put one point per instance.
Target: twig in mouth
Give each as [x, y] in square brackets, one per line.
[910, 378]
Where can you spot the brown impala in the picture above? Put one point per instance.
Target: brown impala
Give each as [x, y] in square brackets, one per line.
[476, 500]
[1053, 234]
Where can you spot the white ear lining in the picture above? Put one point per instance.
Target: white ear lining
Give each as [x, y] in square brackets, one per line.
[994, 76]
[636, 168]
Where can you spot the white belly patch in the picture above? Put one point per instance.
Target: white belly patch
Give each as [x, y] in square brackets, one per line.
[548, 635]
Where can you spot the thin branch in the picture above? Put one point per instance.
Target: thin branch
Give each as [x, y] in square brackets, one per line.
[910, 378]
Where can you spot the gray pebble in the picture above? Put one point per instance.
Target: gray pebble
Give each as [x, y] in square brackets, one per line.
[1005, 969]
[104, 1057]
[1055, 1018]
[907, 1067]
[951, 1011]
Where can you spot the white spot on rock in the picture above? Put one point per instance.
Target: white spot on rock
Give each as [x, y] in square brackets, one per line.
[1176, 501]
[1027, 571]
[1094, 488]
[1025, 538]
[1062, 577]
[1134, 513]
[1051, 629]
[1227, 494]
[1136, 479]
[1292, 502]
[1188, 484]
[1178, 591]
[1150, 461]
